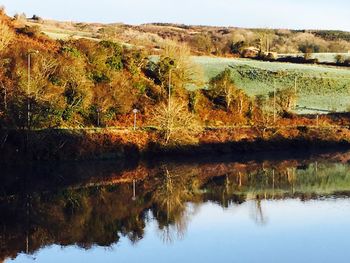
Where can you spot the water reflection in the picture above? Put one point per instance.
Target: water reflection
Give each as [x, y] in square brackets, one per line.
[100, 204]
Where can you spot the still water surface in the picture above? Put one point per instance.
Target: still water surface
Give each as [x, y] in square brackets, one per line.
[293, 210]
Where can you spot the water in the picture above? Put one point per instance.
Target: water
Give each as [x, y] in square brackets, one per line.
[286, 210]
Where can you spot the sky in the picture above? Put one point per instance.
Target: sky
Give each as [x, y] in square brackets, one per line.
[291, 14]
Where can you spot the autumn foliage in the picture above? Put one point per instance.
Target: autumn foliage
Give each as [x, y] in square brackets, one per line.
[79, 84]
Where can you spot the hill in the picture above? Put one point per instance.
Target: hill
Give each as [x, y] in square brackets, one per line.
[94, 78]
[202, 39]
[320, 88]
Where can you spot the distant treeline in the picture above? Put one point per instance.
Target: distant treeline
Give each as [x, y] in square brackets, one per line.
[234, 41]
[211, 40]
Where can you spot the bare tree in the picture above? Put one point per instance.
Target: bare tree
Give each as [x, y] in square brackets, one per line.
[175, 122]
[175, 63]
[171, 196]
[6, 36]
[285, 99]
[41, 70]
[263, 114]
[257, 212]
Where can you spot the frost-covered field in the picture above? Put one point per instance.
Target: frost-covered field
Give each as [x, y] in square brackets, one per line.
[319, 87]
[322, 57]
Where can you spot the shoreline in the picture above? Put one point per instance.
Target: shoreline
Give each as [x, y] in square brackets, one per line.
[41, 177]
[69, 145]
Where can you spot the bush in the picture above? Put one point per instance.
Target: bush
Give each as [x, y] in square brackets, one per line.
[339, 59]
[31, 31]
[303, 129]
[20, 17]
[37, 18]
[309, 48]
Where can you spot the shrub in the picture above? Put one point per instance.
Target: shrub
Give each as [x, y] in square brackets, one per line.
[303, 129]
[339, 59]
[6, 36]
[175, 123]
[37, 18]
[31, 31]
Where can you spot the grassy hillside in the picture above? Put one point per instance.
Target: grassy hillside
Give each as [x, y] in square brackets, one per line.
[319, 87]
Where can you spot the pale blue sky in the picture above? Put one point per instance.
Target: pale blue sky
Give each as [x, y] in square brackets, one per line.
[311, 14]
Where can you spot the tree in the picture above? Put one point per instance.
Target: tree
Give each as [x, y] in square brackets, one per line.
[203, 43]
[41, 97]
[285, 99]
[238, 47]
[114, 51]
[117, 97]
[175, 66]
[339, 59]
[6, 36]
[104, 58]
[78, 88]
[37, 18]
[169, 197]
[175, 123]
[309, 48]
[103, 101]
[263, 114]
[135, 60]
[223, 90]
[124, 94]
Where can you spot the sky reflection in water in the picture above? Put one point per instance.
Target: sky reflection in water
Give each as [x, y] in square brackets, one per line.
[279, 231]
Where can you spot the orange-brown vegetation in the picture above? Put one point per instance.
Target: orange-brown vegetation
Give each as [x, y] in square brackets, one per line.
[82, 84]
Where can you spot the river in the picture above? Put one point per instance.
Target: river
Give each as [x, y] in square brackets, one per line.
[270, 209]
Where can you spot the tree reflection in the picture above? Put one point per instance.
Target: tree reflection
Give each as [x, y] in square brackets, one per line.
[257, 212]
[169, 204]
[103, 212]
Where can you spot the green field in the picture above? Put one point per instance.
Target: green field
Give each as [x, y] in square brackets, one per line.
[319, 88]
[322, 57]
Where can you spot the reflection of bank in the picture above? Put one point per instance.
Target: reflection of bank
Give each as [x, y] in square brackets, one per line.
[168, 194]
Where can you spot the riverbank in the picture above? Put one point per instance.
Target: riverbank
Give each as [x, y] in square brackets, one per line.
[112, 144]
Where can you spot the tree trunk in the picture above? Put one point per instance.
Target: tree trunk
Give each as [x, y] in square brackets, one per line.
[98, 117]
[228, 102]
[240, 105]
